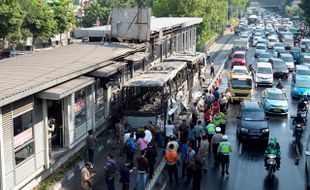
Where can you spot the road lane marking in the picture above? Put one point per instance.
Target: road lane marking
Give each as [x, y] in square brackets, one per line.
[240, 148]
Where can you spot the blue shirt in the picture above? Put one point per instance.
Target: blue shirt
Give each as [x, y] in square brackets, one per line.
[184, 151]
[192, 134]
[132, 144]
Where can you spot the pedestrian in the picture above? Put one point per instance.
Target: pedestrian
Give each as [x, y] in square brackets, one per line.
[160, 131]
[215, 142]
[184, 158]
[209, 98]
[152, 129]
[151, 154]
[210, 131]
[110, 170]
[119, 131]
[169, 131]
[183, 132]
[199, 131]
[171, 157]
[132, 148]
[212, 68]
[174, 142]
[224, 151]
[190, 163]
[197, 170]
[127, 135]
[191, 136]
[87, 176]
[143, 168]
[91, 146]
[142, 142]
[204, 150]
[223, 102]
[207, 115]
[125, 175]
[50, 129]
[148, 134]
[229, 97]
[195, 113]
[208, 55]
[216, 107]
[216, 94]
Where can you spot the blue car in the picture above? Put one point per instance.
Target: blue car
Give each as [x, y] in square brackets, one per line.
[275, 101]
[301, 86]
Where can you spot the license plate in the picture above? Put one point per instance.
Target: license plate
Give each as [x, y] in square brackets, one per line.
[277, 110]
[255, 137]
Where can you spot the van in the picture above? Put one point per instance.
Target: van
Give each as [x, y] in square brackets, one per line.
[263, 74]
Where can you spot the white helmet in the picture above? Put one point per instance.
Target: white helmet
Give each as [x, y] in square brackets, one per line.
[218, 129]
[224, 138]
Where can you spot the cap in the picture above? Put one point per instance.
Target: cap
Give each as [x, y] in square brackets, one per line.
[225, 138]
[218, 129]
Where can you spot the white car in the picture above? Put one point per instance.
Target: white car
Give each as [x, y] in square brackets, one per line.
[289, 60]
[260, 48]
[256, 39]
[263, 74]
[271, 41]
[240, 69]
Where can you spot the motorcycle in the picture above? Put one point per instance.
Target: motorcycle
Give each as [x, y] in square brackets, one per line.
[298, 133]
[271, 164]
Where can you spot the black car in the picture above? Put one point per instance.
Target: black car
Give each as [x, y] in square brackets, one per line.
[279, 68]
[307, 158]
[252, 122]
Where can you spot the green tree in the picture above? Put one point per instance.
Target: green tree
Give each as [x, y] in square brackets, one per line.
[94, 11]
[63, 15]
[39, 20]
[11, 19]
[305, 6]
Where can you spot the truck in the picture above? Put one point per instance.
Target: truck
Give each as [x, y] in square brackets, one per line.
[240, 86]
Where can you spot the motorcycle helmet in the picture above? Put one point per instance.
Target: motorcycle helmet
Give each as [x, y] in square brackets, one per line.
[218, 129]
[224, 138]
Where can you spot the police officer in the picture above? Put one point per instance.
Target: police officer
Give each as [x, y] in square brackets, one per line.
[224, 150]
[219, 120]
[210, 131]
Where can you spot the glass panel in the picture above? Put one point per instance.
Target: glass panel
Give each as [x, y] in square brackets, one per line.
[80, 107]
[22, 128]
[24, 153]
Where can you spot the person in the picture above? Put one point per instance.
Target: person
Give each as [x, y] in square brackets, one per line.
[184, 158]
[171, 157]
[208, 55]
[125, 175]
[212, 69]
[204, 150]
[190, 163]
[169, 131]
[151, 129]
[142, 142]
[151, 154]
[143, 168]
[219, 120]
[223, 102]
[174, 142]
[210, 131]
[216, 94]
[132, 148]
[199, 131]
[127, 135]
[215, 142]
[183, 132]
[110, 170]
[119, 131]
[229, 97]
[195, 113]
[207, 115]
[197, 170]
[251, 68]
[224, 151]
[280, 85]
[50, 129]
[302, 106]
[192, 135]
[216, 107]
[87, 176]
[91, 146]
[209, 98]
[148, 134]
[274, 149]
[160, 131]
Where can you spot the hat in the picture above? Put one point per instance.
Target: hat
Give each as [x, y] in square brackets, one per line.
[218, 129]
[224, 138]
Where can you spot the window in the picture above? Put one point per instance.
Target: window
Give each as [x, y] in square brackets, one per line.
[23, 137]
[80, 107]
[99, 101]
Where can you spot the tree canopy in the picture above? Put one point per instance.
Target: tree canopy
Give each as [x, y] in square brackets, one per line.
[305, 6]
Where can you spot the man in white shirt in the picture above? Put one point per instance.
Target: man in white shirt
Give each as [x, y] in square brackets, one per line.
[127, 135]
[148, 135]
[169, 131]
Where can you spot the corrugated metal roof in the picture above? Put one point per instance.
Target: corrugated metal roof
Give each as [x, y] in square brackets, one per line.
[108, 70]
[165, 23]
[26, 75]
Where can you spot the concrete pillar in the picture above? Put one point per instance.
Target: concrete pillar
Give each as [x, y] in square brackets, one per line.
[2, 172]
[45, 124]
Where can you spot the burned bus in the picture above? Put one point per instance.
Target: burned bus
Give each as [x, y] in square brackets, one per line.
[162, 90]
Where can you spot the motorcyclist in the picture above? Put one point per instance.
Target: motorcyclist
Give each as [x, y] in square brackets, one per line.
[302, 106]
[298, 120]
[280, 85]
[274, 149]
[251, 68]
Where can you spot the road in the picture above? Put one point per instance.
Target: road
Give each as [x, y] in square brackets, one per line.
[247, 170]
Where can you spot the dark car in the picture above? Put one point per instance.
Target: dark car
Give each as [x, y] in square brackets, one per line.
[279, 68]
[252, 122]
[307, 165]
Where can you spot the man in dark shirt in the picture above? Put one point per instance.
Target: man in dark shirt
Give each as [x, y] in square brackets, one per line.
[183, 132]
[151, 155]
[143, 168]
[125, 175]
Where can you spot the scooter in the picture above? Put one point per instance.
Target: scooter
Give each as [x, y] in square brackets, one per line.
[271, 164]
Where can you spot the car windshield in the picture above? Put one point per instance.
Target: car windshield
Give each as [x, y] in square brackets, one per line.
[302, 84]
[279, 45]
[264, 70]
[261, 47]
[275, 96]
[241, 83]
[280, 50]
[239, 56]
[303, 72]
[279, 64]
[273, 40]
[240, 71]
[253, 115]
[287, 58]
[305, 42]
[264, 55]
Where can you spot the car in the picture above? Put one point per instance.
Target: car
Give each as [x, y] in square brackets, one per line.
[289, 60]
[296, 53]
[278, 44]
[238, 58]
[279, 68]
[263, 74]
[271, 41]
[303, 70]
[275, 101]
[277, 51]
[241, 70]
[288, 41]
[263, 57]
[244, 37]
[305, 59]
[307, 165]
[255, 40]
[300, 87]
[260, 48]
[252, 122]
[304, 44]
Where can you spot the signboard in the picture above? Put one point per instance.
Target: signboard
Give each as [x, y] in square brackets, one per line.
[23, 137]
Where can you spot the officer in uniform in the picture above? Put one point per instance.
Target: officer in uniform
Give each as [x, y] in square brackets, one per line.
[224, 150]
[211, 131]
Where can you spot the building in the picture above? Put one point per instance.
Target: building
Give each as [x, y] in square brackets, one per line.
[80, 87]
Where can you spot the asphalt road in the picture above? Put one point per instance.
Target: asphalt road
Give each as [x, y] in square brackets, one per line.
[247, 170]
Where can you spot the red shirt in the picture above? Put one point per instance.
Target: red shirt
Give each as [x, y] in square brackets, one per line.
[208, 115]
[216, 107]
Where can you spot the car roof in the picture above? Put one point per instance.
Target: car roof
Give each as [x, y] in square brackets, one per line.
[302, 67]
[239, 52]
[263, 64]
[274, 90]
[251, 105]
[261, 44]
[276, 59]
[286, 55]
[239, 67]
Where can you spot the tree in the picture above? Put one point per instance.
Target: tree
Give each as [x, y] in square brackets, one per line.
[11, 18]
[305, 6]
[39, 20]
[63, 15]
[93, 11]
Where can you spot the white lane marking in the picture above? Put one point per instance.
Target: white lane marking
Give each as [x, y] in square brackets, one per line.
[240, 148]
